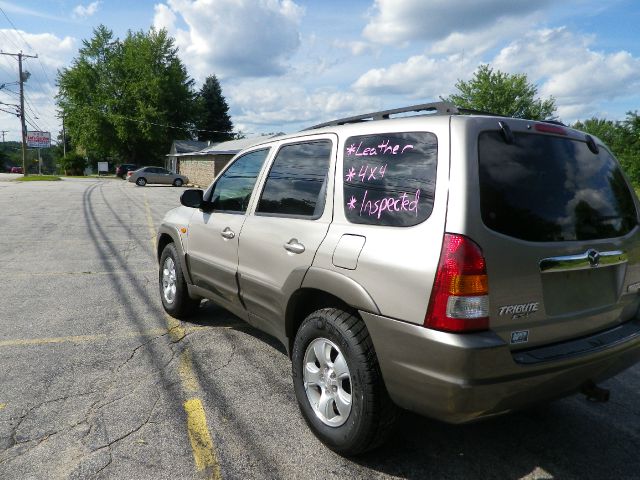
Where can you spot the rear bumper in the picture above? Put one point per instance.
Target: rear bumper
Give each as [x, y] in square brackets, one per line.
[459, 378]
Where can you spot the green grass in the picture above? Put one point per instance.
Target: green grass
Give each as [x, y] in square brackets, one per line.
[38, 178]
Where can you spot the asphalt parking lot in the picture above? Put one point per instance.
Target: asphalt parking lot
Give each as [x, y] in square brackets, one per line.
[97, 382]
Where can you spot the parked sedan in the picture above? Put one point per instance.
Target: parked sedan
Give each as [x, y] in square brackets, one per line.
[145, 175]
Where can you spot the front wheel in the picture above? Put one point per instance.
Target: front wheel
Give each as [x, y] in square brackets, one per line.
[338, 383]
[177, 182]
[141, 182]
[173, 287]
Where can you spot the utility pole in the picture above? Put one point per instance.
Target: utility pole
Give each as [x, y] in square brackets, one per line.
[3, 132]
[22, 77]
[64, 140]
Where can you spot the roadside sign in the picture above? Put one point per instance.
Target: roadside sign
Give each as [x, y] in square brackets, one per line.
[38, 139]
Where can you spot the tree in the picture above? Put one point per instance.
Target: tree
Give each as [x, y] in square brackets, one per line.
[502, 93]
[126, 99]
[622, 137]
[73, 164]
[213, 121]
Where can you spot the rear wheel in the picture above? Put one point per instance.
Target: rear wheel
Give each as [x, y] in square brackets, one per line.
[177, 182]
[338, 384]
[141, 182]
[173, 287]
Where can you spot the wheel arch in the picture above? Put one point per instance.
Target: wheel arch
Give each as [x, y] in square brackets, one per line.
[167, 235]
[323, 288]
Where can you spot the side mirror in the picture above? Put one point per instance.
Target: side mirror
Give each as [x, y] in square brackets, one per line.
[192, 198]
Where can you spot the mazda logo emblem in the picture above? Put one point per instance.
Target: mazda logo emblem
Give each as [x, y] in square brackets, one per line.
[594, 257]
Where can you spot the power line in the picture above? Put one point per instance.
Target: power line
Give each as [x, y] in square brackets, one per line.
[148, 122]
[8, 37]
[16, 30]
[9, 112]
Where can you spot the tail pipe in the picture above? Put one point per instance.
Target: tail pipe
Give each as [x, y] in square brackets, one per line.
[595, 393]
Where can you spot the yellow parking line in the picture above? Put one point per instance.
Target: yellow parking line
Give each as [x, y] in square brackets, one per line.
[18, 342]
[55, 274]
[3, 405]
[201, 443]
[204, 452]
[189, 380]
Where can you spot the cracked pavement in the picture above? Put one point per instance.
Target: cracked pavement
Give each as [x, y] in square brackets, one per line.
[91, 387]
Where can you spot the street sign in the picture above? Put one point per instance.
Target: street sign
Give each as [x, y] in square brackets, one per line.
[38, 139]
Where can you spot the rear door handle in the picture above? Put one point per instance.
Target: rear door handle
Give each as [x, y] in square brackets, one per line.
[294, 246]
[228, 233]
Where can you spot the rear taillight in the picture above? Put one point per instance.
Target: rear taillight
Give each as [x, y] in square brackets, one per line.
[460, 296]
[129, 173]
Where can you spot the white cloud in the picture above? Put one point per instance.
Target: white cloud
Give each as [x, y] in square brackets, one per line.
[164, 17]
[420, 76]
[232, 38]
[355, 47]
[565, 66]
[81, 11]
[561, 63]
[396, 21]
[261, 104]
[53, 53]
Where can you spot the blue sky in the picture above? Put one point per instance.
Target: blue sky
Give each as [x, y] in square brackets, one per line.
[287, 64]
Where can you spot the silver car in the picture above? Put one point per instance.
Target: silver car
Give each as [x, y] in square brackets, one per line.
[457, 265]
[145, 175]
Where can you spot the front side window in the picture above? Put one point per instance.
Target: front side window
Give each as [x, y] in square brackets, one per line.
[296, 185]
[543, 188]
[232, 191]
[389, 179]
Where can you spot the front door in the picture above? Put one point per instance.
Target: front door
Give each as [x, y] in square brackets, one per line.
[214, 233]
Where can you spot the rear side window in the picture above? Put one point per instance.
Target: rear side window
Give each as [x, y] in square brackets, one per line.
[390, 179]
[232, 191]
[296, 185]
[543, 188]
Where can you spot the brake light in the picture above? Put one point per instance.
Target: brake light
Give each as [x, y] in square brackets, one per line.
[129, 173]
[549, 128]
[460, 296]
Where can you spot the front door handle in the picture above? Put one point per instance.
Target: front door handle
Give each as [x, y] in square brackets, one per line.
[228, 233]
[294, 246]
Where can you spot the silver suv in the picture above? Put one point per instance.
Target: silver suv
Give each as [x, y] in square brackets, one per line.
[455, 265]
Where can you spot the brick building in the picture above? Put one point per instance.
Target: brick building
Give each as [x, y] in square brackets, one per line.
[202, 166]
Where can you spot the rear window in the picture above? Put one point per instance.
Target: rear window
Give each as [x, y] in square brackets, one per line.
[390, 179]
[543, 188]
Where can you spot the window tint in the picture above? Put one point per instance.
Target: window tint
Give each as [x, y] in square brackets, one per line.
[232, 190]
[390, 179]
[543, 188]
[296, 184]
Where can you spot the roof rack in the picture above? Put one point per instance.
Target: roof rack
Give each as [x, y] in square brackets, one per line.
[441, 108]
[471, 111]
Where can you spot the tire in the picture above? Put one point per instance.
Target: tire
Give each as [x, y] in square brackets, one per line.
[141, 182]
[173, 287]
[358, 415]
[178, 182]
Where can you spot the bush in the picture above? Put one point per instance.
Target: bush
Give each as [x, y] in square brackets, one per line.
[73, 164]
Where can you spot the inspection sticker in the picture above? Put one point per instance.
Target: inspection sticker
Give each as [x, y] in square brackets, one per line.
[521, 336]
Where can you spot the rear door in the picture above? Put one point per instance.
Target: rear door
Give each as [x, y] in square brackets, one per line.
[559, 231]
[164, 176]
[292, 215]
